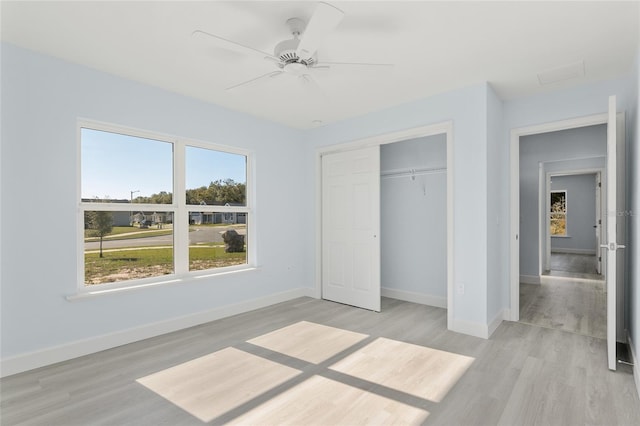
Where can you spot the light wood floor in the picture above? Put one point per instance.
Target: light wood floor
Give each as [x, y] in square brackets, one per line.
[574, 305]
[523, 375]
[574, 266]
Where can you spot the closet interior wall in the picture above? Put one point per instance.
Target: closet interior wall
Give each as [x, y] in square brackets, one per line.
[413, 195]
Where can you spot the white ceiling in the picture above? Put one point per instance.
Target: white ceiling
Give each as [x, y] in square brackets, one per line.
[435, 46]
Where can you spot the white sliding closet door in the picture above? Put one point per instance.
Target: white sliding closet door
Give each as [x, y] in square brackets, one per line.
[351, 227]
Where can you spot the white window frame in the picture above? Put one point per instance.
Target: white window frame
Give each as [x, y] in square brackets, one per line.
[178, 208]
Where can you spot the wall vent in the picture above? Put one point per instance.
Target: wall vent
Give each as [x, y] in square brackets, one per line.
[566, 72]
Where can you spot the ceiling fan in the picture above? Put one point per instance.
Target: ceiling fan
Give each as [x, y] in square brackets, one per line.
[295, 56]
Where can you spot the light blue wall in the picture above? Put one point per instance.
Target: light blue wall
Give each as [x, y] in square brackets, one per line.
[467, 108]
[413, 214]
[42, 98]
[497, 210]
[581, 213]
[46, 96]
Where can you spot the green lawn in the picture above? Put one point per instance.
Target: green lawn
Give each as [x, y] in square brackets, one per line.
[125, 265]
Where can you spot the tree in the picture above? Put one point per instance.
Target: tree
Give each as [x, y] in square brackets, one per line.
[100, 223]
[218, 193]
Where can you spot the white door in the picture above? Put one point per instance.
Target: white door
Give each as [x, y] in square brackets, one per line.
[612, 246]
[598, 225]
[351, 227]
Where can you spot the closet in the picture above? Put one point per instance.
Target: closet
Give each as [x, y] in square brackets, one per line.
[413, 220]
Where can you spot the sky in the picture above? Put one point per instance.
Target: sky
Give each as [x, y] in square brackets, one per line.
[113, 165]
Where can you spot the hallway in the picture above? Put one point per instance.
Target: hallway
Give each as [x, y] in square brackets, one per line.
[570, 265]
[570, 297]
[564, 303]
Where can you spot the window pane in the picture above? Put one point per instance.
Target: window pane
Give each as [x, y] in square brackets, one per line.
[558, 224]
[122, 168]
[558, 213]
[558, 201]
[116, 251]
[217, 240]
[215, 178]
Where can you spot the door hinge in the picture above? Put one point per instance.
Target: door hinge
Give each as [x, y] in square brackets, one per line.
[599, 184]
[599, 258]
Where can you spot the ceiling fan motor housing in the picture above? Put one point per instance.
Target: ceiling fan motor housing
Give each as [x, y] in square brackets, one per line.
[286, 50]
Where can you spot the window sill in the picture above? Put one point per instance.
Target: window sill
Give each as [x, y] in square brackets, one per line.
[560, 236]
[90, 293]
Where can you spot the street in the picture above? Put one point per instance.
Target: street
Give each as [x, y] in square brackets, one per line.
[198, 234]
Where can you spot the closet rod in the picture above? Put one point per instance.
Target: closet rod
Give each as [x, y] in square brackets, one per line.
[412, 172]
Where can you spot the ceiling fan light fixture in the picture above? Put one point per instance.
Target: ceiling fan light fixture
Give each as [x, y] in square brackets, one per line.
[295, 68]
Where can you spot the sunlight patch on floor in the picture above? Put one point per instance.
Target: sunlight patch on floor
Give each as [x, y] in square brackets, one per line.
[309, 341]
[214, 384]
[417, 370]
[321, 401]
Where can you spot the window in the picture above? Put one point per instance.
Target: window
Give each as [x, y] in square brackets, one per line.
[558, 213]
[154, 206]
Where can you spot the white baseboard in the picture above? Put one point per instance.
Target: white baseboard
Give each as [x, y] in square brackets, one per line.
[507, 315]
[529, 279]
[573, 251]
[471, 328]
[636, 367]
[476, 329]
[28, 361]
[495, 322]
[408, 296]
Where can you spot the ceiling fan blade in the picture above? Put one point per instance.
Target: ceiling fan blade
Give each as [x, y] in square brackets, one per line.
[230, 45]
[352, 64]
[312, 86]
[318, 70]
[324, 20]
[253, 80]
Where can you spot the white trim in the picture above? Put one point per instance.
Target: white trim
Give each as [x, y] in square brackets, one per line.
[471, 328]
[102, 290]
[423, 131]
[420, 298]
[529, 279]
[495, 323]
[39, 358]
[506, 314]
[542, 215]
[573, 250]
[514, 194]
[476, 329]
[514, 226]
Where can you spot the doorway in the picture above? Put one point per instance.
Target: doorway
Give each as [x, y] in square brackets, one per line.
[615, 144]
[573, 227]
[558, 212]
[413, 194]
